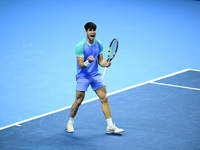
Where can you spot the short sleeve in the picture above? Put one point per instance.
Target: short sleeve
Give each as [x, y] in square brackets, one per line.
[101, 44]
[79, 50]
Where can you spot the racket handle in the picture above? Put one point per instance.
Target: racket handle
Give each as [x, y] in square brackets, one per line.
[104, 73]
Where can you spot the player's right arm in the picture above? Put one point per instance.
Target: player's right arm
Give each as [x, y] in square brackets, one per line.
[81, 62]
[80, 57]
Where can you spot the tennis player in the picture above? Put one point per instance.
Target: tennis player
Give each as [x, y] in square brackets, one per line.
[89, 53]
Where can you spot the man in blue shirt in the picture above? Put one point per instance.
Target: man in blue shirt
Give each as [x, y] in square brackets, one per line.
[89, 53]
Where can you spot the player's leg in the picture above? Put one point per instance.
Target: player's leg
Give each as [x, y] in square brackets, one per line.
[81, 86]
[101, 92]
[78, 100]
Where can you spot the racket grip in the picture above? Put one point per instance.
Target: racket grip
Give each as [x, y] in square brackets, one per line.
[104, 73]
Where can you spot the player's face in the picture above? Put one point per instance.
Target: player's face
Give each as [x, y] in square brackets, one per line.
[91, 33]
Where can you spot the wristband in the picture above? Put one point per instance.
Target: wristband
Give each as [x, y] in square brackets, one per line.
[86, 63]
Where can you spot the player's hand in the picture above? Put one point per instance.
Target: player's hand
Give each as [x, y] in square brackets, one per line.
[108, 63]
[90, 59]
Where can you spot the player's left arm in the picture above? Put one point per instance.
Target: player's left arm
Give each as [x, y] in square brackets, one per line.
[101, 61]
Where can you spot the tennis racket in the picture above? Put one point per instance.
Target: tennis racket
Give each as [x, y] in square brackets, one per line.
[112, 50]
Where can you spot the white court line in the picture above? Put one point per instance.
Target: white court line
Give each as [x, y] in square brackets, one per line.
[178, 86]
[194, 70]
[93, 99]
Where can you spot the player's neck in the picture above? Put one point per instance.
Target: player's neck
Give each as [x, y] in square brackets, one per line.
[89, 41]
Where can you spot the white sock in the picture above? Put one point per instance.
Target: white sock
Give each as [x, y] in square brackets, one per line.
[71, 120]
[109, 122]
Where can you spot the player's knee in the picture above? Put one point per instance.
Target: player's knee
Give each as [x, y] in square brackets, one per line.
[79, 100]
[104, 99]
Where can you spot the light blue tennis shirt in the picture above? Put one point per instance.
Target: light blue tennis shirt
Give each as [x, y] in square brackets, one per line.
[84, 49]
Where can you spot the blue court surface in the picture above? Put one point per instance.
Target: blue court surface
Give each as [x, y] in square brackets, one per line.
[159, 114]
[152, 94]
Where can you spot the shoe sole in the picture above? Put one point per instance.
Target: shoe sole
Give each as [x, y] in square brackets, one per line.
[69, 131]
[114, 132]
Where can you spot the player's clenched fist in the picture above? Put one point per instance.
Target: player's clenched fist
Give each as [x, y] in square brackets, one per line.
[90, 59]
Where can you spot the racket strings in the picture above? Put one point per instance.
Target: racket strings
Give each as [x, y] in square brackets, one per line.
[113, 49]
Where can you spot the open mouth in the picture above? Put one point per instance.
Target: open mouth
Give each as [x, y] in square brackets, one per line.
[92, 35]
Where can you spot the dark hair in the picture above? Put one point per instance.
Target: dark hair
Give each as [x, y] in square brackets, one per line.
[90, 25]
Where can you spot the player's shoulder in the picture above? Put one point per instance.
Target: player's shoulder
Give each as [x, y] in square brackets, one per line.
[79, 48]
[96, 40]
[100, 43]
[81, 42]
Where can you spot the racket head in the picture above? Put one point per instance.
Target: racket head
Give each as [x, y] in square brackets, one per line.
[112, 50]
